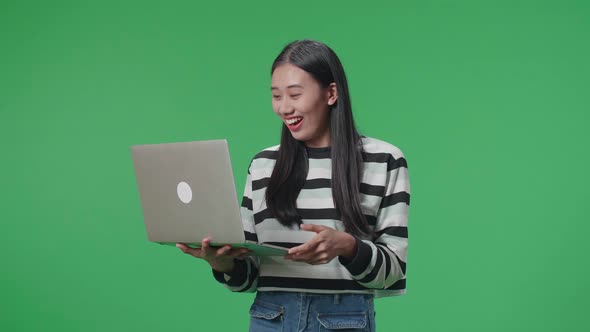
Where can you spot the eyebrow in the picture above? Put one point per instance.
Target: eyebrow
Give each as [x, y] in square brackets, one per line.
[290, 86]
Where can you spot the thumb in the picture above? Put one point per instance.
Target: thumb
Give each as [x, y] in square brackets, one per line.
[314, 228]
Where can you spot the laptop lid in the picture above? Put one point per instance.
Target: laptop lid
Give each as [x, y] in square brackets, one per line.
[187, 192]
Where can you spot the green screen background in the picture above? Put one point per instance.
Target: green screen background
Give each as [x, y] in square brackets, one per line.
[489, 101]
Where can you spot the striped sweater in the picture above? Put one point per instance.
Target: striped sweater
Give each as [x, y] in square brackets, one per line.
[379, 266]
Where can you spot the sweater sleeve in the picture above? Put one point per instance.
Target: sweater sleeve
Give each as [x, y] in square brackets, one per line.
[381, 264]
[244, 277]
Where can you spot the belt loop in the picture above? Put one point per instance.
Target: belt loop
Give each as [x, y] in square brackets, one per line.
[336, 298]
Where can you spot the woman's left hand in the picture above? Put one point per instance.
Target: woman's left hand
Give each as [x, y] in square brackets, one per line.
[324, 246]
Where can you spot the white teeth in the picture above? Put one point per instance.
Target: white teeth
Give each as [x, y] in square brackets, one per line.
[294, 120]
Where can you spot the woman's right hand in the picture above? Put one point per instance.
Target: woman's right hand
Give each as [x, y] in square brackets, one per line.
[220, 259]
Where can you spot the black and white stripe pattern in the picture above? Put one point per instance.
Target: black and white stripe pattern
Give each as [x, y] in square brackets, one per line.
[379, 266]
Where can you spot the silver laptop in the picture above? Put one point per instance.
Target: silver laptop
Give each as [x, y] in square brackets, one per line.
[187, 193]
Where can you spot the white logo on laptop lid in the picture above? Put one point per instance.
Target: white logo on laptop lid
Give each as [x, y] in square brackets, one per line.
[184, 192]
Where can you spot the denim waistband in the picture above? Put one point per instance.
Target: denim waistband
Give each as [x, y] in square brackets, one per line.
[337, 297]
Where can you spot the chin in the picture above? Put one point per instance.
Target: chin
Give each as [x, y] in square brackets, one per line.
[300, 137]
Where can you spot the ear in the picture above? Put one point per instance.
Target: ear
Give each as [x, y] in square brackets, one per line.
[332, 94]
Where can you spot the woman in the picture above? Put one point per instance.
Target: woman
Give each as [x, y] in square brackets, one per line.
[337, 199]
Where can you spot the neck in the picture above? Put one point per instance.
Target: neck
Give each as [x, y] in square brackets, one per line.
[322, 141]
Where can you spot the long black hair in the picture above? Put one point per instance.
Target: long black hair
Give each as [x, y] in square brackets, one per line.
[290, 171]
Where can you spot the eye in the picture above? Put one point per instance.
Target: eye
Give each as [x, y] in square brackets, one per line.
[295, 96]
[276, 97]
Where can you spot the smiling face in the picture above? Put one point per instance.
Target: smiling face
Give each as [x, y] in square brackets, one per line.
[303, 104]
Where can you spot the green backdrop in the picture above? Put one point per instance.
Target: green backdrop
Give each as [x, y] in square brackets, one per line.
[489, 101]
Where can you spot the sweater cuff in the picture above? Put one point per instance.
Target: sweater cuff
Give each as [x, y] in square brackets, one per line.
[235, 277]
[358, 264]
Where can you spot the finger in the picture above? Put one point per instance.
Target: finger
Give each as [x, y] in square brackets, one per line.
[312, 260]
[305, 256]
[205, 243]
[289, 257]
[320, 260]
[305, 259]
[208, 250]
[309, 245]
[193, 251]
[314, 228]
[184, 248]
[223, 250]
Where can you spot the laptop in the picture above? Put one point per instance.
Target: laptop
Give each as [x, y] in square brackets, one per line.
[187, 192]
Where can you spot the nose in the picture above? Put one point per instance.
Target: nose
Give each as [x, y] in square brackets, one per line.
[285, 107]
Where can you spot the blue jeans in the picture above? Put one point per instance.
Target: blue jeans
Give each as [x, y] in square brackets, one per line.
[294, 312]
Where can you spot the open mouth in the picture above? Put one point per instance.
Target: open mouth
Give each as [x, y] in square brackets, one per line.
[293, 122]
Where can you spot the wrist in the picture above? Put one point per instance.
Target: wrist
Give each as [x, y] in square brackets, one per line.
[351, 247]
